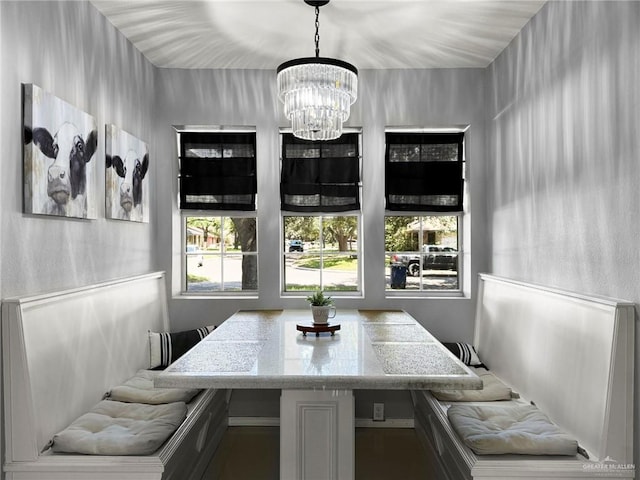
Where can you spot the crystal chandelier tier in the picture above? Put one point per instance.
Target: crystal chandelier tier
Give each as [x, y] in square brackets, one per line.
[317, 92]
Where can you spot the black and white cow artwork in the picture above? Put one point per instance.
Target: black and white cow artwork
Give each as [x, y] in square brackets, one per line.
[59, 143]
[66, 175]
[132, 170]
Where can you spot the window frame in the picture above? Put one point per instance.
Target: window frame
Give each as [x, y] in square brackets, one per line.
[222, 212]
[225, 183]
[320, 209]
[357, 293]
[184, 214]
[422, 292]
[463, 219]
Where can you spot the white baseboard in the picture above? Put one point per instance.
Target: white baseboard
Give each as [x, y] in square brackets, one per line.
[360, 422]
[254, 421]
[387, 423]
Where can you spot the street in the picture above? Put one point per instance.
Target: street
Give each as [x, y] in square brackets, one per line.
[209, 276]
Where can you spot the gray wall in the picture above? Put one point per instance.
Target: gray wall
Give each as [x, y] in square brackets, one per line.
[70, 50]
[563, 163]
[387, 98]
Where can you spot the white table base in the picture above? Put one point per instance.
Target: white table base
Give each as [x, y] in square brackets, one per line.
[317, 435]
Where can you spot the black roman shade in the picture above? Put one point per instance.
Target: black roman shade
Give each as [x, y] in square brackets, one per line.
[320, 176]
[218, 171]
[424, 172]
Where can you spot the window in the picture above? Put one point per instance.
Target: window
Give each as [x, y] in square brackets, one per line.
[424, 186]
[424, 172]
[320, 199]
[422, 252]
[321, 252]
[220, 254]
[218, 203]
[320, 176]
[218, 171]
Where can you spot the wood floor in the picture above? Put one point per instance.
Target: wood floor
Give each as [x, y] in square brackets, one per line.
[252, 453]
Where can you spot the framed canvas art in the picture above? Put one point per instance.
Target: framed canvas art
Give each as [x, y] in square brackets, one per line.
[58, 165]
[126, 176]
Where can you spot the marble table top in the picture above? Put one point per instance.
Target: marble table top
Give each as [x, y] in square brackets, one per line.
[373, 349]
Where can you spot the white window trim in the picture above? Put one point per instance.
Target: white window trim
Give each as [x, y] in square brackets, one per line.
[463, 219]
[432, 293]
[182, 214]
[183, 256]
[358, 293]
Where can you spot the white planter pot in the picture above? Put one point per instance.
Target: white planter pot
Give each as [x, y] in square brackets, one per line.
[322, 314]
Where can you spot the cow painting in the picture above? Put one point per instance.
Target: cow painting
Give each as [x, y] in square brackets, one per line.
[127, 165]
[59, 144]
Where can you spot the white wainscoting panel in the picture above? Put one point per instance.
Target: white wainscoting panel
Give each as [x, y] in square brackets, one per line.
[317, 434]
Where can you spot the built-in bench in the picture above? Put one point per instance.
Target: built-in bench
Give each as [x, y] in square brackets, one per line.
[62, 352]
[571, 355]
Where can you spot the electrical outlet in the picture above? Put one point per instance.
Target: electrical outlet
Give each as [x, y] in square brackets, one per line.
[378, 412]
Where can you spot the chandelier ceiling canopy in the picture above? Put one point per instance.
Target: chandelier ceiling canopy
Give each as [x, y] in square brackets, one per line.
[317, 92]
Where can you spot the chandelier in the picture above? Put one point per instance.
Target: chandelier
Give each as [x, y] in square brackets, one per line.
[317, 92]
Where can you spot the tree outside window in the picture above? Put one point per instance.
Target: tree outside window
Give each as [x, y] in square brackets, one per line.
[221, 254]
[321, 252]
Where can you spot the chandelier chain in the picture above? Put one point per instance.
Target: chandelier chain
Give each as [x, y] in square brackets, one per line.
[317, 37]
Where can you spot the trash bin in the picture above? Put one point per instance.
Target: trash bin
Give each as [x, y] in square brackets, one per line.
[398, 275]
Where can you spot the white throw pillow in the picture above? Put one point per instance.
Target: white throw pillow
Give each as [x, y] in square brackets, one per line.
[465, 352]
[166, 347]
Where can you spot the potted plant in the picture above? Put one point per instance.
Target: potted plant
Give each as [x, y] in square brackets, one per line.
[322, 307]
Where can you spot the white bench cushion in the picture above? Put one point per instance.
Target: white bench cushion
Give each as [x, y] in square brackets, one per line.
[521, 429]
[116, 428]
[492, 389]
[140, 389]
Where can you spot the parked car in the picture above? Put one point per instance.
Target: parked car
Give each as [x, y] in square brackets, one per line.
[191, 249]
[296, 246]
[436, 257]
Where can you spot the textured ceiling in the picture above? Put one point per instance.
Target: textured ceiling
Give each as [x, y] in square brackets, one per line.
[369, 34]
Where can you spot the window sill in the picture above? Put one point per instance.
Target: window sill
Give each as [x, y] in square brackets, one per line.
[214, 296]
[333, 294]
[449, 295]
